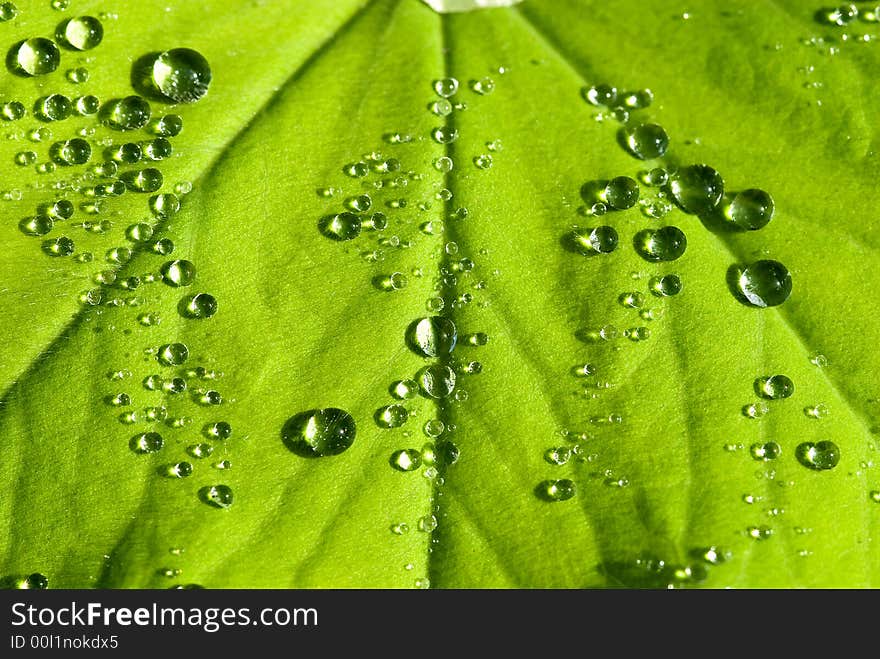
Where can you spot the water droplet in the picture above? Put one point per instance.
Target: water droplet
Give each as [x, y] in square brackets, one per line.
[558, 456]
[173, 354]
[874, 495]
[647, 141]
[483, 161]
[432, 337]
[78, 75]
[400, 528]
[179, 470]
[444, 134]
[35, 581]
[443, 164]
[666, 286]
[163, 246]
[36, 226]
[61, 246]
[404, 389]
[82, 33]
[71, 152]
[766, 451]
[129, 113]
[697, 189]
[12, 111]
[37, 56]
[178, 273]
[774, 387]
[8, 11]
[820, 456]
[182, 74]
[598, 240]
[202, 450]
[556, 490]
[756, 410]
[201, 305]
[638, 99]
[765, 283]
[147, 442]
[210, 397]
[759, 532]
[120, 400]
[750, 209]
[483, 86]
[601, 95]
[621, 193]
[54, 107]
[664, 244]
[427, 523]
[342, 226]
[87, 105]
[219, 430]
[219, 496]
[445, 87]
[408, 459]
[392, 416]
[818, 411]
[437, 380]
[319, 432]
[145, 180]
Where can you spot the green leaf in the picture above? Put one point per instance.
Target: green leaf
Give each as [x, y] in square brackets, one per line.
[300, 90]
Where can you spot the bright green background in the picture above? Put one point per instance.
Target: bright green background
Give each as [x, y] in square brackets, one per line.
[300, 89]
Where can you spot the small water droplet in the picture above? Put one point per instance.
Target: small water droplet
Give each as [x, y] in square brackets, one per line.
[342, 226]
[483, 86]
[598, 240]
[129, 113]
[665, 286]
[750, 209]
[766, 451]
[82, 32]
[178, 273]
[147, 442]
[756, 410]
[600, 95]
[219, 496]
[400, 528]
[444, 134]
[621, 193]
[774, 387]
[437, 380]
[392, 416]
[427, 523]
[665, 244]
[201, 305]
[432, 337]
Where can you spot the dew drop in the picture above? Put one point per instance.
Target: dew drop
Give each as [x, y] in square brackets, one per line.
[35, 581]
[774, 387]
[598, 240]
[444, 134]
[445, 87]
[820, 456]
[178, 273]
[37, 56]
[483, 86]
[182, 74]
[765, 283]
[818, 411]
[664, 244]
[556, 490]
[71, 152]
[647, 141]
[404, 389]
[437, 380]
[201, 305]
[665, 286]
[129, 113]
[756, 410]
[219, 430]
[61, 246]
[766, 451]
[621, 193]
[601, 95]
[697, 189]
[408, 459]
[54, 107]
[147, 442]
[392, 416]
[750, 209]
[219, 496]
[172, 354]
[433, 336]
[319, 432]
[342, 226]
[82, 33]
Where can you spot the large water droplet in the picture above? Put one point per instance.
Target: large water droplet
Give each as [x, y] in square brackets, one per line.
[664, 244]
[173, 354]
[750, 209]
[71, 152]
[342, 226]
[556, 490]
[219, 496]
[408, 459]
[201, 305]
[437, 380]
[595, 240]
[182, 74]
[697, 189]
[129, 113]
[82, 33]
[666, 286]
[147, 442]
[432, 337]
[37, 56]
[319, 432]
[178, 273]
[392, 416]
[445, 87]
[621, 192]
[820, 456]
[765, 283]
[774, 387]
[647, 141]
